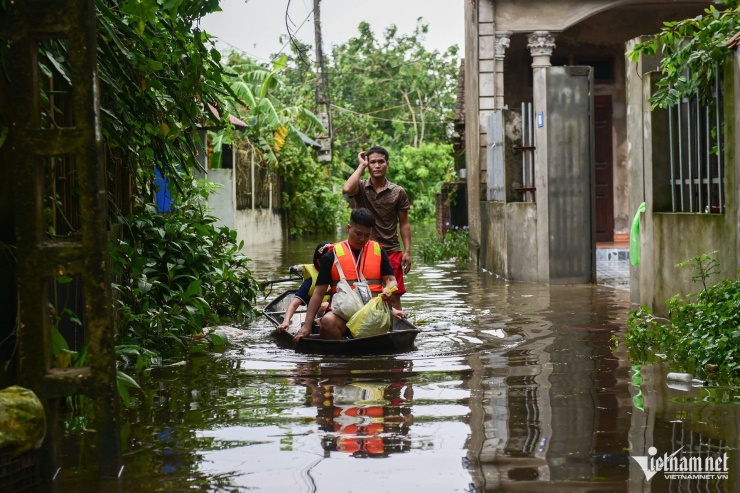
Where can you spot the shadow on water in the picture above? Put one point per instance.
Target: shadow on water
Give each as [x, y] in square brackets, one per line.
[511, 387]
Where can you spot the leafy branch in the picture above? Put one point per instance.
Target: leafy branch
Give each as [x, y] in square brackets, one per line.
[690, 51]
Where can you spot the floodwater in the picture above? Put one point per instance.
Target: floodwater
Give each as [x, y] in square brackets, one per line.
[511, 387]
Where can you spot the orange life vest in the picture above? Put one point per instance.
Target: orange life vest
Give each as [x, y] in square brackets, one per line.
[369, 265]
[361, 438]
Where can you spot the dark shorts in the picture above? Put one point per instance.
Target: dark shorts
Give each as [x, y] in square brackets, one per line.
[396, 258]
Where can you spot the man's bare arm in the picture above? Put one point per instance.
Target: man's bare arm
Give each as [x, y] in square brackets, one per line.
[352, 185]
[405, 228]
[313, 308]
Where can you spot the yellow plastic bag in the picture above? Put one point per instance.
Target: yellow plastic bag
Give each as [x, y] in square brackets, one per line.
[372, 319]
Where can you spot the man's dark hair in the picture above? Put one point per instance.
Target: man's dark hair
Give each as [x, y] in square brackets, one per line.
[362, 217]
[377, 150]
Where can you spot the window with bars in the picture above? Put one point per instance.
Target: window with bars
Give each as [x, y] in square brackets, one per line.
[696, 152]
[256, 186]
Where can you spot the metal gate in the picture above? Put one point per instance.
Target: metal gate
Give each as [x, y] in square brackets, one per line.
[55, 148]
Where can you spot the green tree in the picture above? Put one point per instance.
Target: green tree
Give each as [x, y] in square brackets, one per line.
[388, 91]
[157, 72]
[271, 123]
[421, 171]
[277, 122]
[690, 51]
[391, 91]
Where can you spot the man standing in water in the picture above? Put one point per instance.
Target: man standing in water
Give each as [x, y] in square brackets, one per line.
[390, 205]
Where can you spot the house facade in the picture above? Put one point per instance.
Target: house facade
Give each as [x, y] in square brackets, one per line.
[546, 130]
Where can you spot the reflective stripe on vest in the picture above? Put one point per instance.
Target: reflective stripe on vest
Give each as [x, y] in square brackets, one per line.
[370, 259]
[310, 272]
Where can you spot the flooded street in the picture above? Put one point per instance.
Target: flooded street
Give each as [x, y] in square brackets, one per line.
[511, 387]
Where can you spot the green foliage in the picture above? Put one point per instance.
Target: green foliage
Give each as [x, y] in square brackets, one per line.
[704, 267]
[312, 196]
[390, 91]
[453, 245]
[134, 358]
[271, 123]
[176, 274]
[691, 49]
[275, 122]
[421, 171]
[699, 333]
[157, 72]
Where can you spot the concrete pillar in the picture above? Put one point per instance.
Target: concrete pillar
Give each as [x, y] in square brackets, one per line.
[541, 44]
[480, 100]
[637, 106]
[656, 169]
[732, 144]
[503, 39]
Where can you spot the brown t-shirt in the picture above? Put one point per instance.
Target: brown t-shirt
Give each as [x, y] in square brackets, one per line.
[385, 206]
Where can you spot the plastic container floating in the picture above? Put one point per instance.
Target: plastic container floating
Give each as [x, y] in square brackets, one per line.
[685, 378]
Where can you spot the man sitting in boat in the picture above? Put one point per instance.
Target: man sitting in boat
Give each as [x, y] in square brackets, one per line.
[303, 295]
[358, 252]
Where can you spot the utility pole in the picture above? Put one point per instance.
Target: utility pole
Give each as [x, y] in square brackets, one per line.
[322, 90]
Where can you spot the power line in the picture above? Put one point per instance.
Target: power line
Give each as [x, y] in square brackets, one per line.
[387, 119]
[291, 35]
[236, 48]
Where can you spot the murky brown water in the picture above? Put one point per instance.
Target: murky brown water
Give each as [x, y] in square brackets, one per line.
[511, 387]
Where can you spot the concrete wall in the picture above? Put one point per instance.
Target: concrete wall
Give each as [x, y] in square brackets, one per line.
[673, 238]
[223, 201]
[493, 251]
[598, 38]
[258, 226]
[521, 240]
[559, 15]
[253, 226]
[551, 241]
[472, 127]
[667, 238]
[509, 226]
[583, 30]
[509, 246]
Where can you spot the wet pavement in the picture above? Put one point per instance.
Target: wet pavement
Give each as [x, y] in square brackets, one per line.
[613, 265]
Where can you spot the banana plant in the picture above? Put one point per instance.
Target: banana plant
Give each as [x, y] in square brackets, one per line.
[269, 127]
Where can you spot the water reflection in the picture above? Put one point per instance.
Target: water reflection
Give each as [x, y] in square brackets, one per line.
[685, 420]
[361, 417]
[556, 408]
[510, 387]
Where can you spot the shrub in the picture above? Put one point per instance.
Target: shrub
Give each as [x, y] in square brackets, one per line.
[453, 245]
[699, 334]
[177, 273]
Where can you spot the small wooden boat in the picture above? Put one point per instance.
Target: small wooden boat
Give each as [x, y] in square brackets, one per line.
[399, 338]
